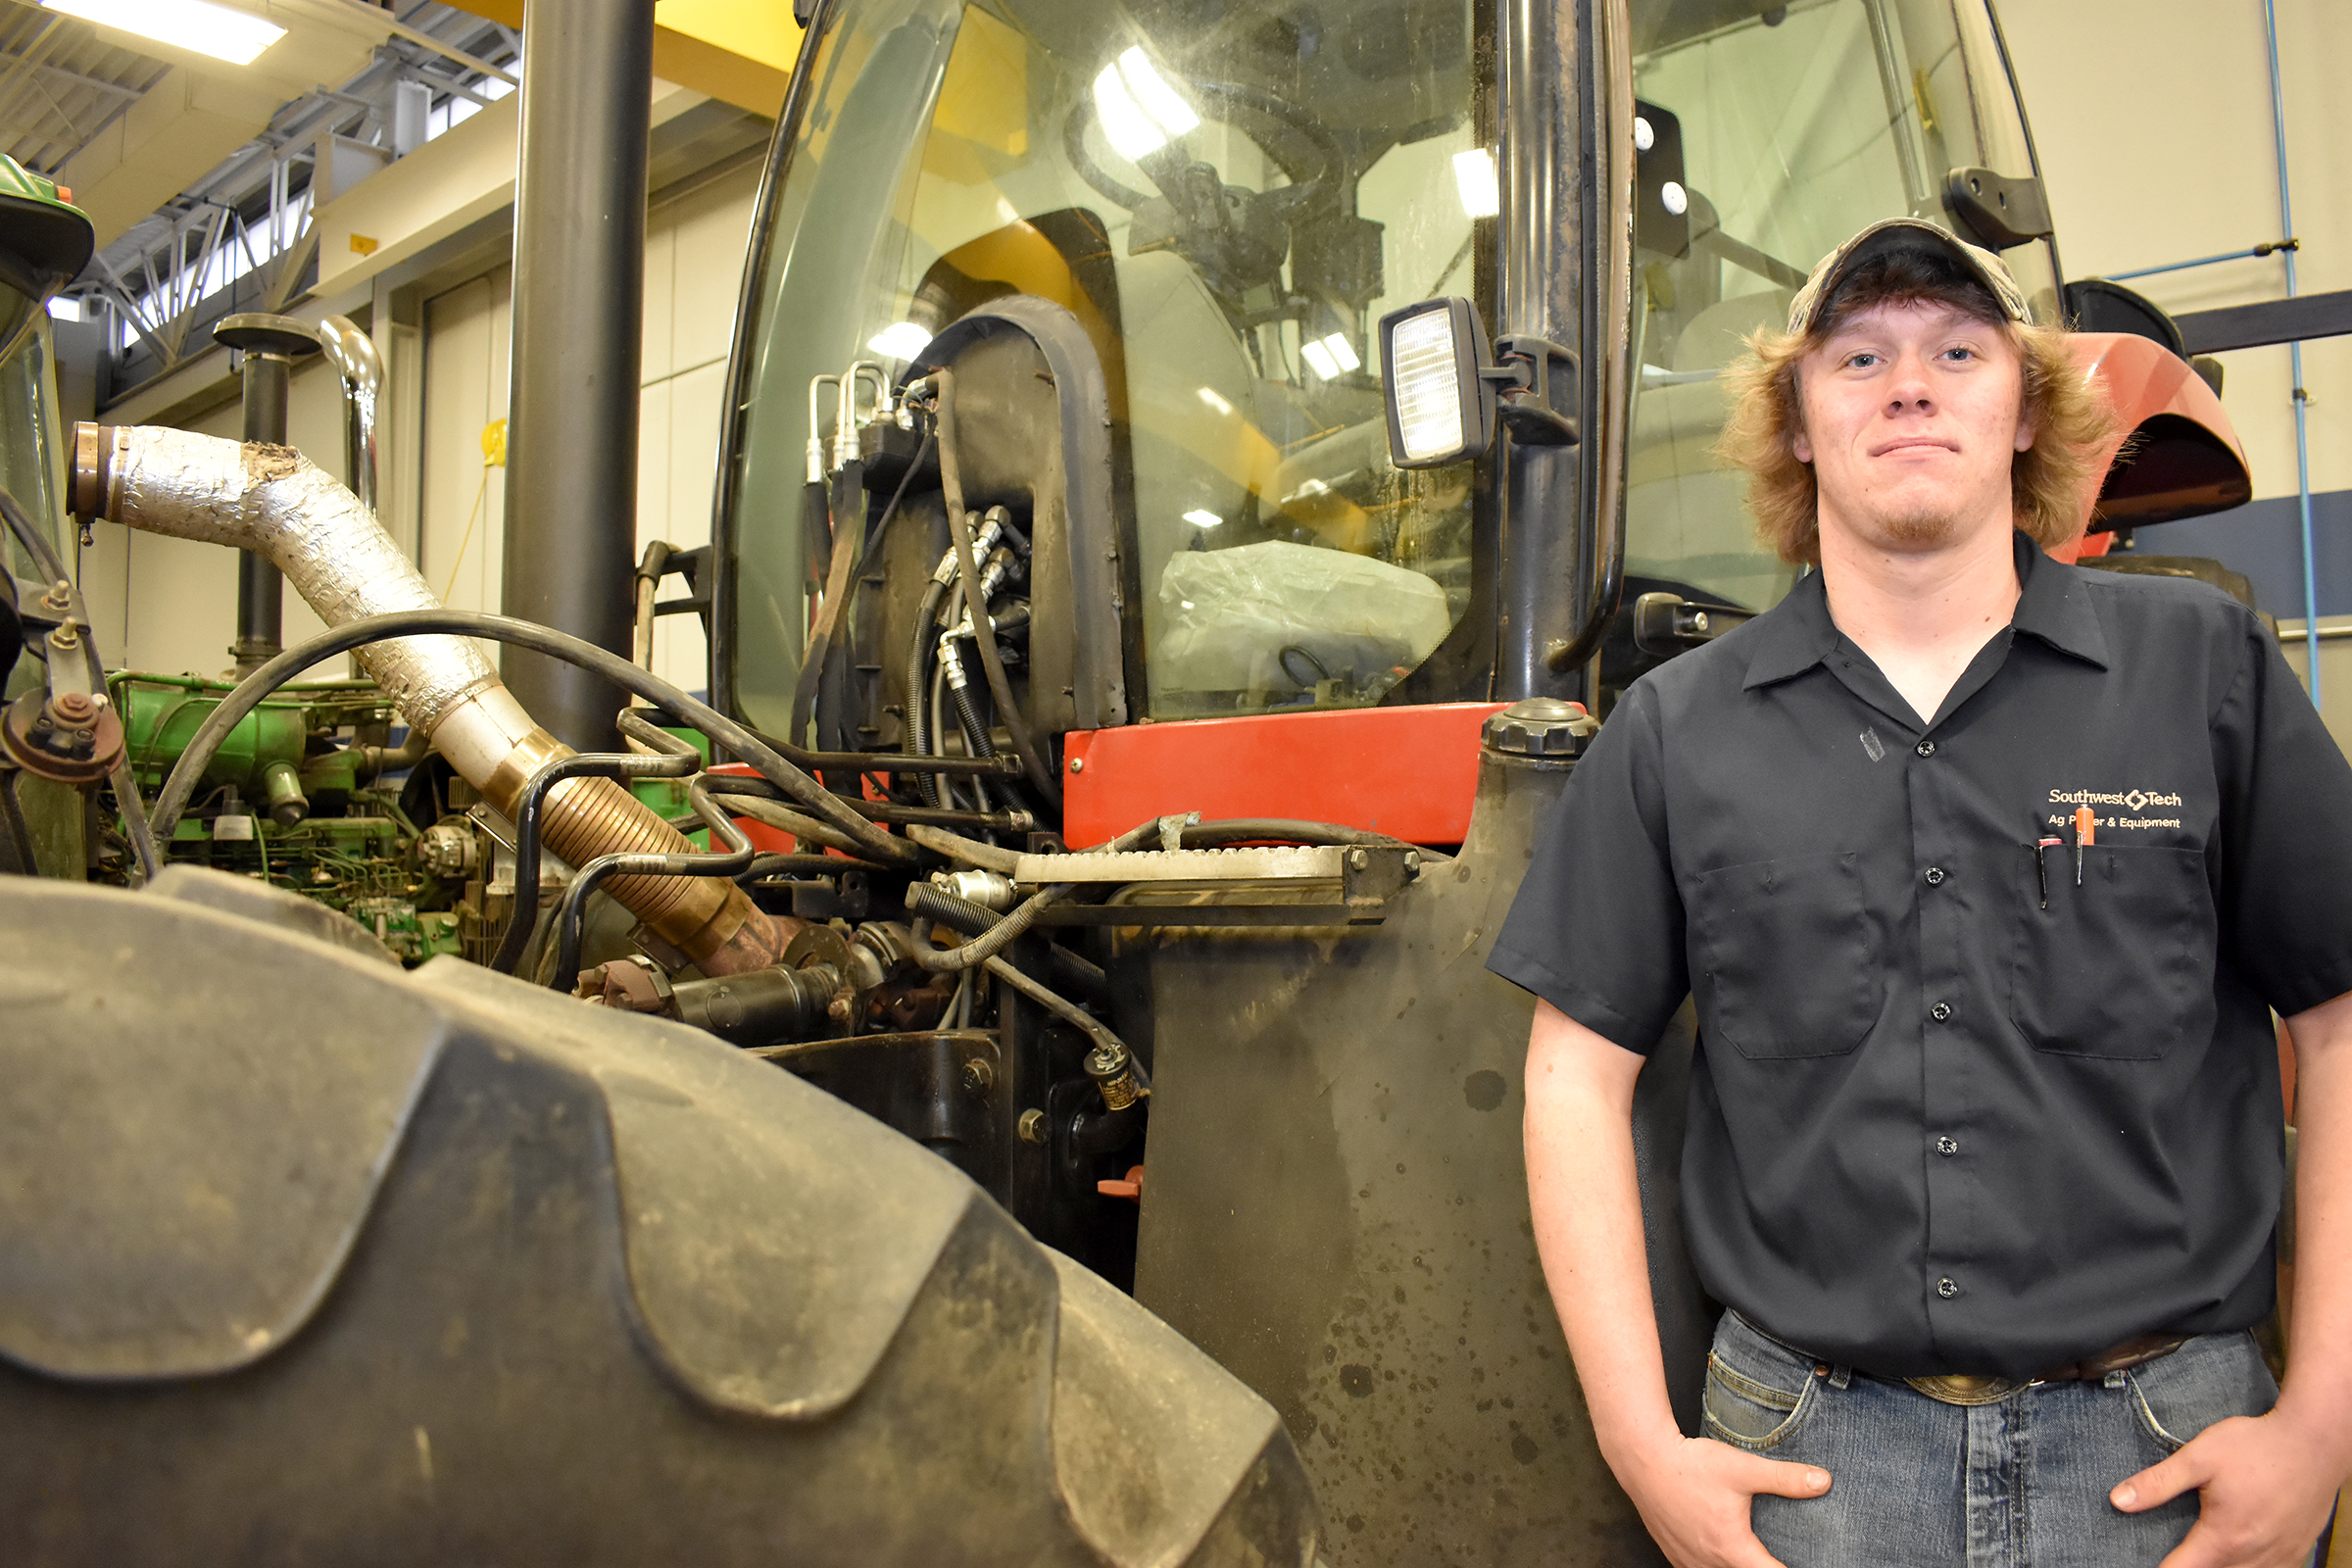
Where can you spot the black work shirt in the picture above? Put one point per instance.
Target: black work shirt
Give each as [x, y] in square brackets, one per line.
[1934, 1125]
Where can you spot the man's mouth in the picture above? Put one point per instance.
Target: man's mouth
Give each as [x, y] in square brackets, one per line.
[1913, 443]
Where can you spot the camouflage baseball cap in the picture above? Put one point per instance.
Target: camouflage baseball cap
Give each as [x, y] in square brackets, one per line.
[1898, 234]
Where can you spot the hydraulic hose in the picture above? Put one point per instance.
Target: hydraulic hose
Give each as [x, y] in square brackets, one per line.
[270, 500]
[986, 946]
[930, 901]
[914, 735]
[984, 631]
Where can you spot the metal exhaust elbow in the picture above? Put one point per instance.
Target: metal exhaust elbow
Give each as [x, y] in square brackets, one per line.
[270, 500]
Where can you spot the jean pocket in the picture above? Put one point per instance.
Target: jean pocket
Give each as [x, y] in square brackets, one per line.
[1786, 957]
[1751, 1412]
[2120, 967]
[2208, 1379]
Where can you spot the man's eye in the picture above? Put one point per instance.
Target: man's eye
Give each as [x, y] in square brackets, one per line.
[1863, 360]
[1960, 353]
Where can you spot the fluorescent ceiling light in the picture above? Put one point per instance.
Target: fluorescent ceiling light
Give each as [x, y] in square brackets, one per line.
[901, 340]
[197, 26]
[1201, 519]
[1474, 176]
[66, 308]
[1140, 112]
[1342, 352]
[1215, 402]
[1319, 360]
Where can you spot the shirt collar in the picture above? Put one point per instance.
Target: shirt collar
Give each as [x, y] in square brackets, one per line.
[2052, 606]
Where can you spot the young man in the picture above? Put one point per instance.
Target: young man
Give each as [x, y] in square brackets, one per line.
[1983, 873]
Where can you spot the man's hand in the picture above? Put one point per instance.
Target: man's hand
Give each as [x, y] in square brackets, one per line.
[1694, 1494]
[2265, 1491]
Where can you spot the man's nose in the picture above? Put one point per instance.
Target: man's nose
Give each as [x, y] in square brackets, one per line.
[1909, 391]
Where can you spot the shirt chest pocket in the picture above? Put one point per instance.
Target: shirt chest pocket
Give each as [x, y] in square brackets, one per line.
[2120, 967]
[1786, 963]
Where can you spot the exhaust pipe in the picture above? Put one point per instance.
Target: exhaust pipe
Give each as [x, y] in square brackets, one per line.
[270, 500]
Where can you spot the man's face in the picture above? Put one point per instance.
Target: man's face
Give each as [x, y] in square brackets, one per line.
[1911, 422]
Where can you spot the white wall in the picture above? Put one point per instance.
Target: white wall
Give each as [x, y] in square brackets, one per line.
[2152, 119]
[693, 264]
[171, 605]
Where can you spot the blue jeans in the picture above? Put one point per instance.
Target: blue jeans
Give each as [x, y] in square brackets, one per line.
[2021, 1483]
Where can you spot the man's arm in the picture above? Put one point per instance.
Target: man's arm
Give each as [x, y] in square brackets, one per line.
[2267, 1483]
[1693, 1492]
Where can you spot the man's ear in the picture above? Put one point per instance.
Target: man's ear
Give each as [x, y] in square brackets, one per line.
[1800, 446]
[2025, 434]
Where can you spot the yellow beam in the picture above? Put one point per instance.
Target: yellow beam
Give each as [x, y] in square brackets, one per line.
[737, 51]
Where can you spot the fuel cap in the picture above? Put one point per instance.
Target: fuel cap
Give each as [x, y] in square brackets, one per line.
[1540, 726]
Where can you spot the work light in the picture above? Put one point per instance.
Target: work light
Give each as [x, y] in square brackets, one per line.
[1441, 411]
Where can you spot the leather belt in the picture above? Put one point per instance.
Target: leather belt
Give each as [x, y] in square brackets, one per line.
[1970, 1388]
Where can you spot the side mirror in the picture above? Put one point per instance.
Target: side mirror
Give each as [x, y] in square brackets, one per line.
[1446, 391]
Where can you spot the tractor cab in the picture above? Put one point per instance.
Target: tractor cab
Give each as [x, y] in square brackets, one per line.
[1216, 204]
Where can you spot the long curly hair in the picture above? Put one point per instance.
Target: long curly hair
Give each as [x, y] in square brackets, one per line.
[2048, 482]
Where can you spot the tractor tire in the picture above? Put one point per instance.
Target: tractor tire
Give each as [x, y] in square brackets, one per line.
[306, 1260]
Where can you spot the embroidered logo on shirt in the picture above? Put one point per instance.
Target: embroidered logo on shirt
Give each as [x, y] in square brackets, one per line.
[1872, 744]
[2128, 800]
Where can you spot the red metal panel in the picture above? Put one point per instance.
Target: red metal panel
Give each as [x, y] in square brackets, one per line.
[1410, 773]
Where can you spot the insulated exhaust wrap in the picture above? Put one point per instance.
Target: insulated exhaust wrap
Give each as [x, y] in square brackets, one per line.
[270, 500]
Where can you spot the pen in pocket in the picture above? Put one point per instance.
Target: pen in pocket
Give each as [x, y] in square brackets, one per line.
[2041, 867]
[2085, 832]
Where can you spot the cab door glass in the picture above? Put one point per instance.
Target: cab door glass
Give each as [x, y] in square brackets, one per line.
[1226, 197]
[1799, 125]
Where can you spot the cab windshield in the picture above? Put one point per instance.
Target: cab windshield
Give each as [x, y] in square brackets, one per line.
[1226, 196]
[1794, 125]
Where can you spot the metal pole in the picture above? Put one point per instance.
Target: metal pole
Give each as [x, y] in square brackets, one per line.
[2286, 224]
[580, 302]
[271, 344]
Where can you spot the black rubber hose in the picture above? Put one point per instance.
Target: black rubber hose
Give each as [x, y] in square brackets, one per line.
[933, 903]
[914, 735]
[686, 708]
[989, 944]
[43, 550]
[1069, 1013]
[984, 631]
[967, 712]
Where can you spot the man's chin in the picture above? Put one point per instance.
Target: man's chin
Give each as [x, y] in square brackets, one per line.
[1917, 531]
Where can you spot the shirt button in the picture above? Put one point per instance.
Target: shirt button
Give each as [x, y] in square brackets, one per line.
[1945, 1145]
[1948, 1289]
[1924, 748]
[1935, 876]
[1941, 1012]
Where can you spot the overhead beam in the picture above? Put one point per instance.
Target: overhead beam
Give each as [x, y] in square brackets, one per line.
[737, 51]
[2300, 320]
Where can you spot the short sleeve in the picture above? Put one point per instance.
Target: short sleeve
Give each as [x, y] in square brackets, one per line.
[2285, 872]
[1596, 929]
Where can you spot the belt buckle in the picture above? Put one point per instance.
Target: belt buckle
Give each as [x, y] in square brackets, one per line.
[1965, 1388]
